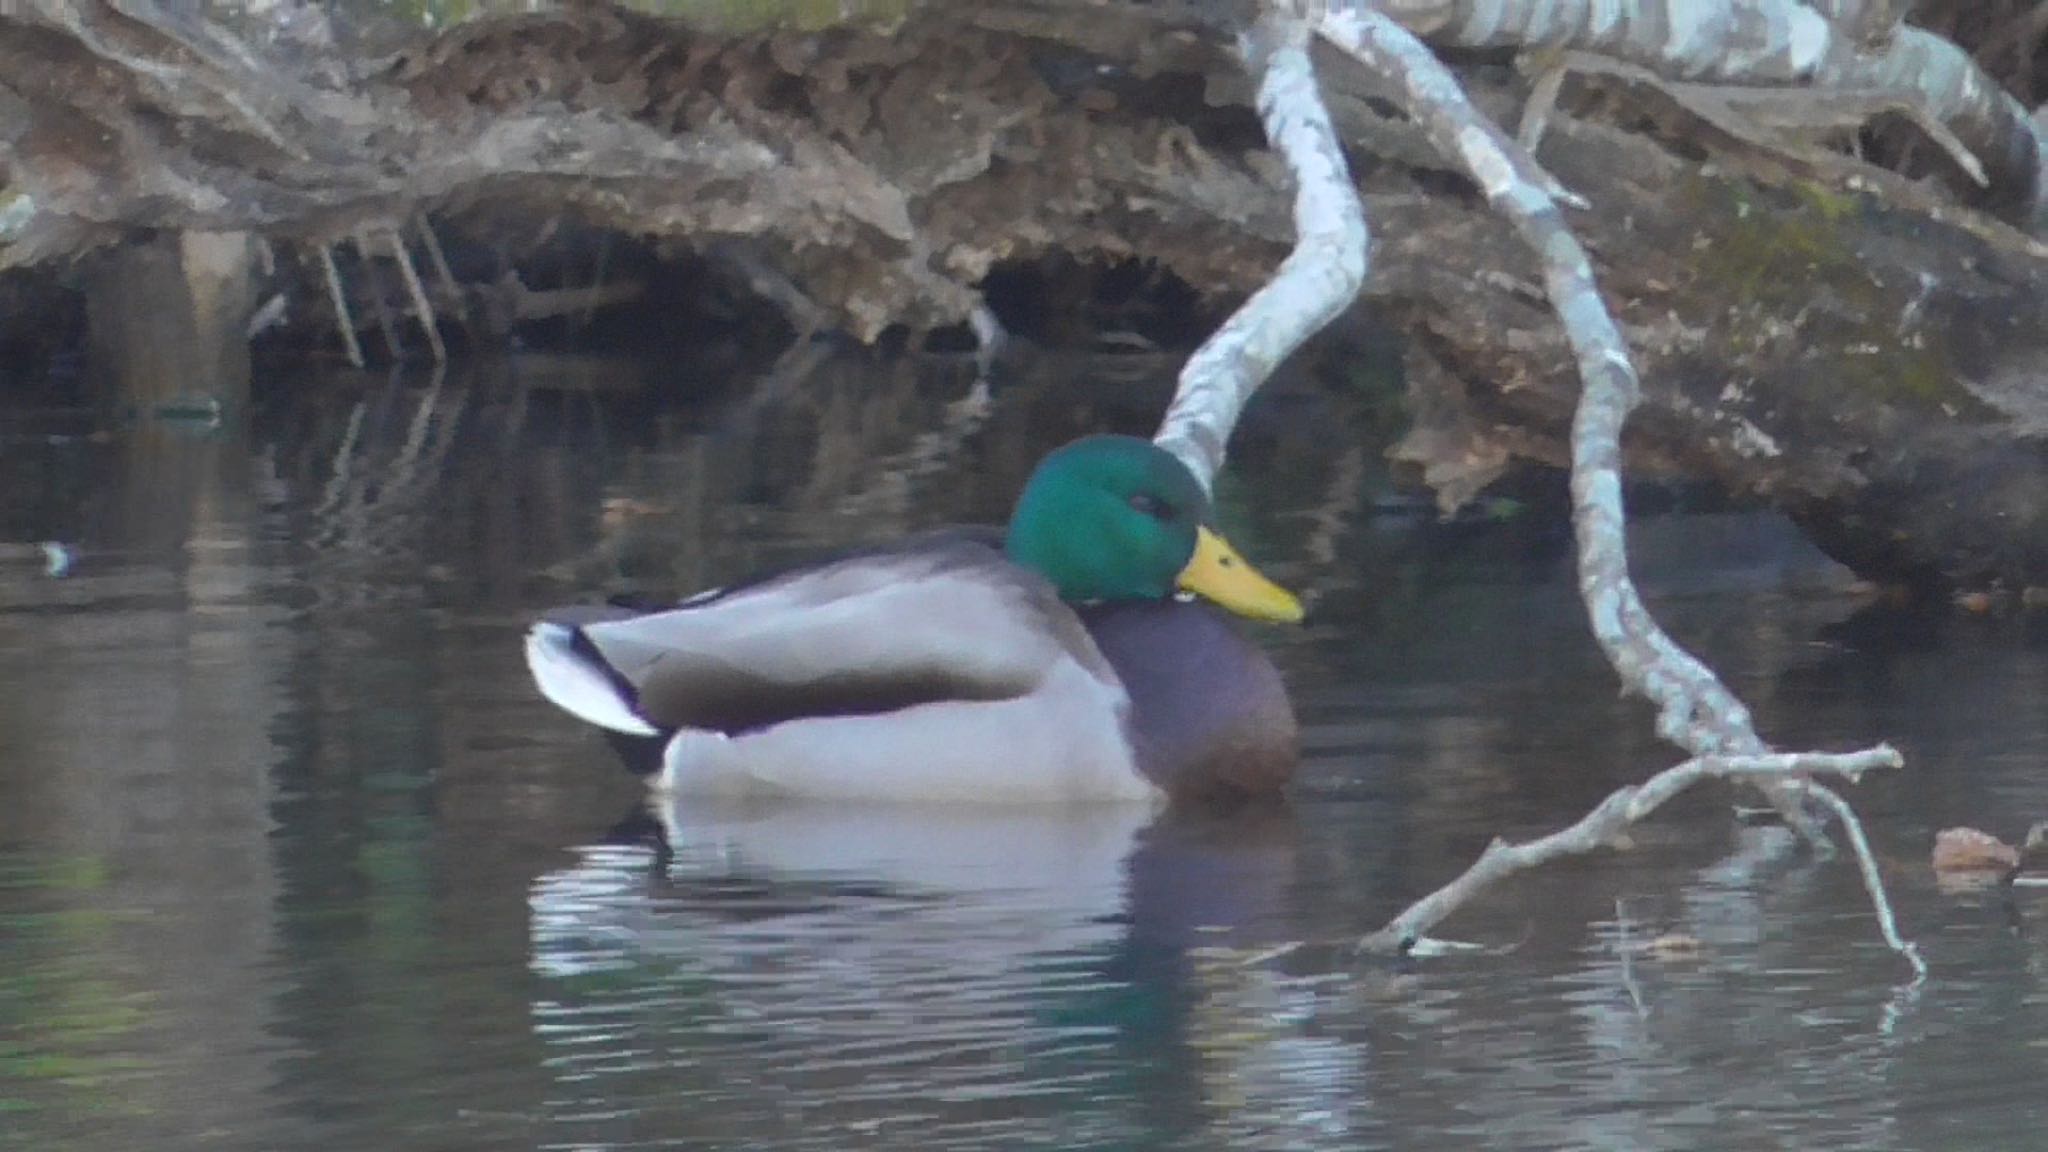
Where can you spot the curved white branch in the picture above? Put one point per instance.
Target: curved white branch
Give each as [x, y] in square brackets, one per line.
[1317, 281]
[1694, 709]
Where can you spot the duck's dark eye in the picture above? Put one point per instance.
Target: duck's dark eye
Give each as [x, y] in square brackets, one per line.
[1151, 506]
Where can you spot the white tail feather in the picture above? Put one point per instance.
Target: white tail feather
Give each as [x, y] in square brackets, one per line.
[569, 680]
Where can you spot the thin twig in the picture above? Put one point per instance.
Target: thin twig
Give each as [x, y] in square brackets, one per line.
[990, 337]
[1622, 808]
[1551, 69]
[770, 283]
[1873, 882]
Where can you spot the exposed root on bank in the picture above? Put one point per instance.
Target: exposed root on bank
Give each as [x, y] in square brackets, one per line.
[379, 307]
[344, 320]
[431, 241]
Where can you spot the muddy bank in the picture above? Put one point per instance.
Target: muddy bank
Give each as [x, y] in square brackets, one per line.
[1870, 359]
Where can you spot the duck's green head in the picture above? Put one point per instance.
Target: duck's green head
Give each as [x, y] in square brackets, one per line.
[1119, 518]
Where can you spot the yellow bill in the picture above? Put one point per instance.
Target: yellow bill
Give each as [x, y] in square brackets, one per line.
[1218, 573]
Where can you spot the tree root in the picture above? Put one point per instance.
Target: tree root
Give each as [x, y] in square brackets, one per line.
[385, 323]
[344, 320]
[422, 310]
[431, 241]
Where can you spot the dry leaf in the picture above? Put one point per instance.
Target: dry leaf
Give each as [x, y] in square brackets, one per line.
[1968, 850]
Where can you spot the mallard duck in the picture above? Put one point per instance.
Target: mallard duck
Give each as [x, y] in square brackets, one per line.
[1060, 659]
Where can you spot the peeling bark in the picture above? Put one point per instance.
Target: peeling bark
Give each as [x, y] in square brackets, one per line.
[1312, 287]
[1843, 44]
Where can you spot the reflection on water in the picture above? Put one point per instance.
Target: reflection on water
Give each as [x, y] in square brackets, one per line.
[949, 968]
[289, 852]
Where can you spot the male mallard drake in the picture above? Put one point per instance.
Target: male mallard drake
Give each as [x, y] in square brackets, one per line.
[1054, 661]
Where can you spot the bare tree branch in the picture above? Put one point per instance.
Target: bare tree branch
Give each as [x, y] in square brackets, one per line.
[1314, 284]
[1608, 821]
[1695, 711]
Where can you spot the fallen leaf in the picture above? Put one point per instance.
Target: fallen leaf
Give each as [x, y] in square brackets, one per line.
[1968, 850]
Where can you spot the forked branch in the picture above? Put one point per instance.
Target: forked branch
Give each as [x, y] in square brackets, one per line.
[1605, 825]
[1694, 709]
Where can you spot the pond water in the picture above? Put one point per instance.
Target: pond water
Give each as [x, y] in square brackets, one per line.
[291, 854]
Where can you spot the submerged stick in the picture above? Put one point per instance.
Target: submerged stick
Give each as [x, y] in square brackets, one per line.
[1626, 948]
[1315, 283]
[1623, 808]
[1873, 881]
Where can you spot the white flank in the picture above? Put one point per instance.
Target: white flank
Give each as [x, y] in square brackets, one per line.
[1063, 743]
[569, 680]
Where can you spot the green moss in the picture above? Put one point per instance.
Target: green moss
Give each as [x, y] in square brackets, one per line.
[1790, 252]
[1833, 205]
[1769, 253]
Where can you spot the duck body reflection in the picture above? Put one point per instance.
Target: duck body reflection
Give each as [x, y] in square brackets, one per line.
[895, 969]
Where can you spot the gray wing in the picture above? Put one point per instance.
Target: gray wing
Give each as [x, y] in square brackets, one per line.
[934, 620]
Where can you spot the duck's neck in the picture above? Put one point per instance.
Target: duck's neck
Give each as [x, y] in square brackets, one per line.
[1209, 713]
